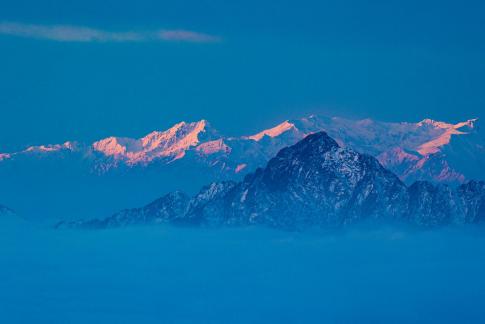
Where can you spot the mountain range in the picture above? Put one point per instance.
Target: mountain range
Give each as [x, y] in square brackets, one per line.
[117, 172]
[313, 183]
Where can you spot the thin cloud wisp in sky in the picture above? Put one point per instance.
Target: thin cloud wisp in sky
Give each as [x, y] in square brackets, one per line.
[64, 33]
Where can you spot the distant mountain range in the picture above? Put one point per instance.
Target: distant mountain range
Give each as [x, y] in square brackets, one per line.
[117, 170]
[428, 150]
[314, 183]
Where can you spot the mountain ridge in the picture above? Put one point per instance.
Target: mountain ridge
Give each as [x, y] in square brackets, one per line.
[117, 172]
[314, 183]
[387, 141]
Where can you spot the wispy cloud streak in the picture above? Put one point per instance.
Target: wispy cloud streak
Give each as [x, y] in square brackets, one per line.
[186, 36]
[64, 33]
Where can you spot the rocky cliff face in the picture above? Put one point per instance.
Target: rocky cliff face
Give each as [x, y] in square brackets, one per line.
[314, 183]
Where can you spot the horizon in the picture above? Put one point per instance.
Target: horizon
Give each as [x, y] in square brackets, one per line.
[83, 70]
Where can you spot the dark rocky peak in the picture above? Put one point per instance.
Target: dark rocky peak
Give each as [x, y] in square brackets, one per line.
[311, 147]
[314, 183]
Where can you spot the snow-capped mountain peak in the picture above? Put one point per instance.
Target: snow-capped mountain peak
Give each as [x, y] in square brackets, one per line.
[114, 146]
[439, 124]
[52, 147]
[426, 150]
[471, 124]
[434, 145]
[187, 155]
[157, 144]
[434, 123]
[313, 183]
[274, 131]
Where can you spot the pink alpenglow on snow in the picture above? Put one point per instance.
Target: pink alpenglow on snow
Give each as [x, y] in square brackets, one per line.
[240, 167]
[427, 150]
[170, 143]
[51, 147]
[275, 131]
[434, 145]
[213, 147]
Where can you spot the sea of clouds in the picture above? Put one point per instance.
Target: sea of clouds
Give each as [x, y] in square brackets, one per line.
[247, 275]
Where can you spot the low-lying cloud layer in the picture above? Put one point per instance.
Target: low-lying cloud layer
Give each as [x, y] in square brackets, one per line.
[165, 274]
[65, 33]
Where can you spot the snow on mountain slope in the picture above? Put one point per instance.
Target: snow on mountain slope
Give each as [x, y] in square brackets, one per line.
[427, 150]
[314, 183]
[213, 147]
[116, 172]
[170, 143]
[40, 149]
[434, 145]
[284, 127]
[425, 137]
[70, 146]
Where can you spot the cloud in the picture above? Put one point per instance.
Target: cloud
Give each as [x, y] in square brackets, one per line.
[63, 33]
[186, 36]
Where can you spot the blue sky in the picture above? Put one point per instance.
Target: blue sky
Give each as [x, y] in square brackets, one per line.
[83, 70]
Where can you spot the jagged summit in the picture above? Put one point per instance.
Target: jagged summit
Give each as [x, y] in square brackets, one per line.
[52, 147]
[171, 143]
[274, 131]
[314, 183]
[190, 154]
[421, 140]
[308, 151]
[448, 131]
[427, 121]
[313, 144]
[433, 123]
